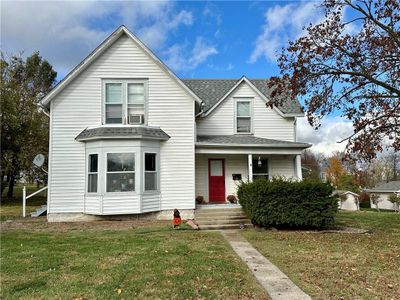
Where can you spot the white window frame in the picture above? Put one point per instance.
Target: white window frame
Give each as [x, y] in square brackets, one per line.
[124, 83]
[118, 172]
[156, 171]
[249, 100]
[92, 173]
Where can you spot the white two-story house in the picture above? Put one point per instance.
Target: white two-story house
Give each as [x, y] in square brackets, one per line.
[127, 136]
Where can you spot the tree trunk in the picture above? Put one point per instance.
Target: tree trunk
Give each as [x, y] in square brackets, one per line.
[3, 185]
[11, 183]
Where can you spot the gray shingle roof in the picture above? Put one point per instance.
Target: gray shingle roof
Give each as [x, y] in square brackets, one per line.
[210, 91]
[391, 186]
[130, 132]
[246, 140]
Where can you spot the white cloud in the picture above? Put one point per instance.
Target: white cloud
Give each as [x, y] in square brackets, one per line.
[181, 58]
[66, 31]
[325, 139]
[282, 23]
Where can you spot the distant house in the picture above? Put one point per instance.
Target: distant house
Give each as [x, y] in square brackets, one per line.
[127, 136]
[351, 201]
[384, 190]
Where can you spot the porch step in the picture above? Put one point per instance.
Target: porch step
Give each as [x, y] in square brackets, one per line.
[221, 218]
[39, 211]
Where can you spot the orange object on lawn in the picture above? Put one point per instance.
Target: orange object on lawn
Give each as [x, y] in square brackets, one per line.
[177, 221]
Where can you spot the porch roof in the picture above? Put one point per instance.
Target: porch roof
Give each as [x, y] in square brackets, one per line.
[240, 140]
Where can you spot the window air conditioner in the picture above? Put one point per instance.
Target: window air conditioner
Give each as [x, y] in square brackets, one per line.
[136, 119]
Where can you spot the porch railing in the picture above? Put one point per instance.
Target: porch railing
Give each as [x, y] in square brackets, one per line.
[24, 197]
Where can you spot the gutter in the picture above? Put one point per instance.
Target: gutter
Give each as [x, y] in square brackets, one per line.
[42, 109]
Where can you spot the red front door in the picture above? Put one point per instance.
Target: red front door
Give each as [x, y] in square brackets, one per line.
[216, 180]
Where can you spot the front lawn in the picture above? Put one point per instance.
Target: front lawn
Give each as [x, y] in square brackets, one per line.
[100, 261]
[339, 266]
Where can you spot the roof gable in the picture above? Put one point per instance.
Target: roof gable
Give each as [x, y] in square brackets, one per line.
[110, 40]
[214, 91]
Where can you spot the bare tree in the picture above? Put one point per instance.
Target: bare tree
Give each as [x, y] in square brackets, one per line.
[354, 71]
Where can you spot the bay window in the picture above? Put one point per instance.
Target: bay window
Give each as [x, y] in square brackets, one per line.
[120, 175]
[93, 173]
[243, 116]
[150, 172]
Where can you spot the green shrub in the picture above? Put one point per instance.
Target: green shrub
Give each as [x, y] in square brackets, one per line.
[283, 203]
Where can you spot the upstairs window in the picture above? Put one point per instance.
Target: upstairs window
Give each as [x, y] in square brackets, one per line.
[114, 103]
[136, 99]
[243, 116]
[123, 99]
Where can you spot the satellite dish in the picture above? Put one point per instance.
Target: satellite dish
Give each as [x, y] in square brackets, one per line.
[39, 160]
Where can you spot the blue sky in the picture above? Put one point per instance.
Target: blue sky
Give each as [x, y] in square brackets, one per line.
[196, 39]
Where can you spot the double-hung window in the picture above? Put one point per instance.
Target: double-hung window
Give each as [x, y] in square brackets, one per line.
[120, 172]
[93, 175]
[150, 172]
[113, 103]
[243, 116]
[124, 98]
[136, 98]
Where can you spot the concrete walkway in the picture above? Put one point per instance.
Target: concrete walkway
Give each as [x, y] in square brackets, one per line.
[277, 284]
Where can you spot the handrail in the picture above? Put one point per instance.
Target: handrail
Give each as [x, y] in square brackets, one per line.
[24, 197]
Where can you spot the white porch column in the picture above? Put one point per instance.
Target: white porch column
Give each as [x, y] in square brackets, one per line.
[298, 167]
[250, 166]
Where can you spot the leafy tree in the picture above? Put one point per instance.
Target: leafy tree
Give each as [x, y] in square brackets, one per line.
[395, 199]
[24, 130]
[335, 171]
[376, 199]
[352, 66]
[348, 182]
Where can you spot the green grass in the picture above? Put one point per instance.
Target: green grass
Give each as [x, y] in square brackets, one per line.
[339, 266]
[153, 263]
[12, 208]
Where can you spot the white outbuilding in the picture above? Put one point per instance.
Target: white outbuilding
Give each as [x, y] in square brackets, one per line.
[383, 191]
[348, 200]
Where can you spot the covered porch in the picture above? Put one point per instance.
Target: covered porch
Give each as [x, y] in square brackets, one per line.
[223, 162]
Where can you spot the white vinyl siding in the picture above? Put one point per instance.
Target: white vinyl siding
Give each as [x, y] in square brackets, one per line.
[266, 122]
[80, 105]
